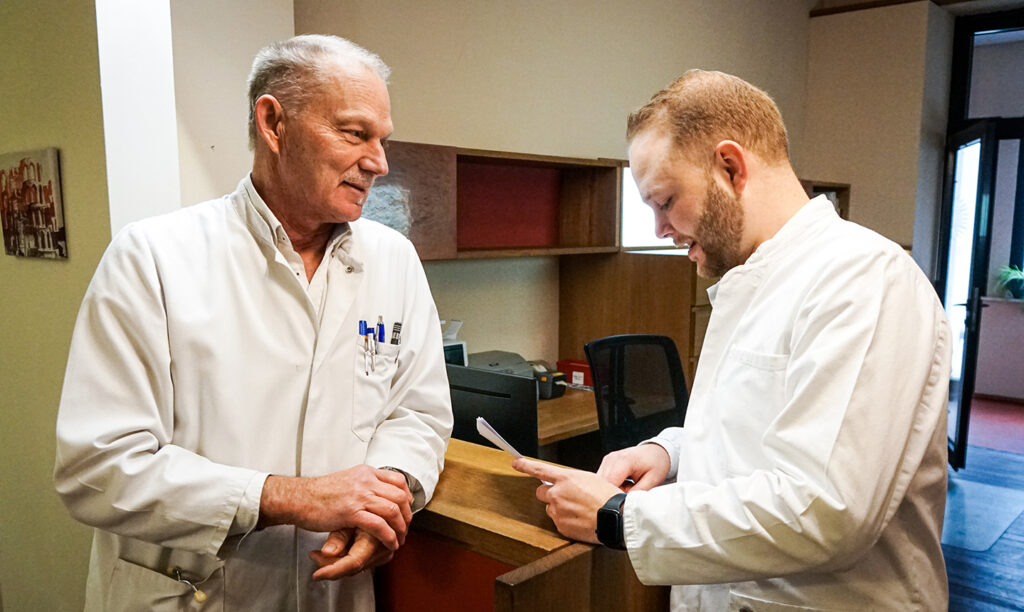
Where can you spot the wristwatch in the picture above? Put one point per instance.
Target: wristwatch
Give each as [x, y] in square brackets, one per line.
[609, 522]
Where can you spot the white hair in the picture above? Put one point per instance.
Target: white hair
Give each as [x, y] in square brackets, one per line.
[291, 69]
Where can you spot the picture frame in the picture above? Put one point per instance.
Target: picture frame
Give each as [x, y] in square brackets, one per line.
[31, 205]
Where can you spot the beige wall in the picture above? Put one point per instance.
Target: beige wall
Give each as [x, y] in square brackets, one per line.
[51, 97]
[553, 78]
[877, 98]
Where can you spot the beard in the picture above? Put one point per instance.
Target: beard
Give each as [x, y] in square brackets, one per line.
[719, 232]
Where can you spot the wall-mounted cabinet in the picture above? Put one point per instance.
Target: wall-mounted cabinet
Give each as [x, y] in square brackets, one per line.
[457, 203]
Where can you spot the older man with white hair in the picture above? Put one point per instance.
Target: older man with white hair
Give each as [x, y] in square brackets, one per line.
[256, 400]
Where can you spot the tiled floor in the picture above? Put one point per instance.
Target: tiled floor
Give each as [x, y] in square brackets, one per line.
[997, 425]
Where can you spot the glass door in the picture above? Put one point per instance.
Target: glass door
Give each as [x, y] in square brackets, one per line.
[967, 224]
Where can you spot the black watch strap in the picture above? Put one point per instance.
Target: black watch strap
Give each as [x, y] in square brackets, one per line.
[609, 522]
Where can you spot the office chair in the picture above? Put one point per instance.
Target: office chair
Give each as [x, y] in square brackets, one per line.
[639, 387]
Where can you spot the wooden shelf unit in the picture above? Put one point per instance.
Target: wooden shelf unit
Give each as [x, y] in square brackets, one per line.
[471, 204]
[631, 292]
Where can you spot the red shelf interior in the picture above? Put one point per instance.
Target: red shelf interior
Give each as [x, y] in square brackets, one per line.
[501, 205]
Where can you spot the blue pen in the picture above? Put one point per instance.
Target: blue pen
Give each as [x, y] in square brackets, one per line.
[380, 332]
[364, 332]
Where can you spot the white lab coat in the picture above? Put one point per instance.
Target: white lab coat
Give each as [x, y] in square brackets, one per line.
[198, 364]
[811, 471]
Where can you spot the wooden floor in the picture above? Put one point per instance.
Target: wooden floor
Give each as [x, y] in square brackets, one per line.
[993, 580]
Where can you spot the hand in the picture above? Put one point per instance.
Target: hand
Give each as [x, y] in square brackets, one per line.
[376, 501]
[573, 497]
[348, 552]
[647, 465]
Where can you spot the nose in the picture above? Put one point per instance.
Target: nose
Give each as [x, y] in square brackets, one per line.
[375, 160]
[662, 228]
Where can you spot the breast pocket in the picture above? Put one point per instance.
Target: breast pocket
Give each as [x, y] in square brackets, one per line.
[374, 374]
[749, 394]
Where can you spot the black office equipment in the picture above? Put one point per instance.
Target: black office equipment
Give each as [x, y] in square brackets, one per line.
[639, 387]
[508, 402]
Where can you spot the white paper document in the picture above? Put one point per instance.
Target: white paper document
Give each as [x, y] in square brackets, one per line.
[484, 429]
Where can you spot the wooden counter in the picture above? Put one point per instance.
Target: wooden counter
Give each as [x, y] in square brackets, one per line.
[489, 508]
[485, 542]
[573, 414]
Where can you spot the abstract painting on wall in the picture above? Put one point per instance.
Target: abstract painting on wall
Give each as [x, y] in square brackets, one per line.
[31, 210]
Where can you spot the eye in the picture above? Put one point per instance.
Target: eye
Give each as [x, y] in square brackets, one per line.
[667, 205]
[352, 133]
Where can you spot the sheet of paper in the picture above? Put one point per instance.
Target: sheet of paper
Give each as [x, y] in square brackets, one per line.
[484, 429]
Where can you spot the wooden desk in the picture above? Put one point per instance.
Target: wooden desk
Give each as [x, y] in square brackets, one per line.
[485, 543]
[573, 414]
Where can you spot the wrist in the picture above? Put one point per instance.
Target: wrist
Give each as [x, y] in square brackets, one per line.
[408, 479]
[277, 501]
[610, 531]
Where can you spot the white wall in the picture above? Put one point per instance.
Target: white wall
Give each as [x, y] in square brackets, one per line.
[214, 44]
[997, 81]
[997, 90]
[878, 86]
[932, 146]
[553, 78]
[134, 40]
[1002, 212]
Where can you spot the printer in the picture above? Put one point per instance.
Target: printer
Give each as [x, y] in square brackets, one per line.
[501, 361]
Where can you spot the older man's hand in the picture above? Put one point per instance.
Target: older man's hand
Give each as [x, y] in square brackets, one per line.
[374, 500]
[348, 552]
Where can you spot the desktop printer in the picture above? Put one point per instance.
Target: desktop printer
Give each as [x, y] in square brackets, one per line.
[501, 361]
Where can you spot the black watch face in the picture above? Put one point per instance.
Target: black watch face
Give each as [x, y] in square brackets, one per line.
[609, 524]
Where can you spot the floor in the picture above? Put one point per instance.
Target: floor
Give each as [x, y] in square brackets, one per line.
[996, 425]
[993, 580]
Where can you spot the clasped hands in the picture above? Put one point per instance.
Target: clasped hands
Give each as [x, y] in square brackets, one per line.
[366, 510]
[574, 496]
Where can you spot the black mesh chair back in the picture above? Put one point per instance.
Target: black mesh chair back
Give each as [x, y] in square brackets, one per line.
[638, 385]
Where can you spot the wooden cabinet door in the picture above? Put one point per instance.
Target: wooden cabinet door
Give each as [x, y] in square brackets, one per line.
[417, 197]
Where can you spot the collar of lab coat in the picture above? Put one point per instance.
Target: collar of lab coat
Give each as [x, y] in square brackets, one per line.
[818, 210]
[265, 227]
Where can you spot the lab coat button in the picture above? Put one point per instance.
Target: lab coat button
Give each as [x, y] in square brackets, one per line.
[349, 269]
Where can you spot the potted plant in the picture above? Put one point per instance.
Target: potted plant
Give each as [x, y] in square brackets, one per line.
[1011, 280]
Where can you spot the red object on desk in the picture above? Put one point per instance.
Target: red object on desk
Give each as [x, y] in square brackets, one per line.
[574, 369]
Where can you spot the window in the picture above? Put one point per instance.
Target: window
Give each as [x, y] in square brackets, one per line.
[637, 218]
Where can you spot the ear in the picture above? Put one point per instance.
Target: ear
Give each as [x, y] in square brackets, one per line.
[269, 116]
[731, 163]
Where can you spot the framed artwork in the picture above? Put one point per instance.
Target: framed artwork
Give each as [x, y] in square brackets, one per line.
[31, 209]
